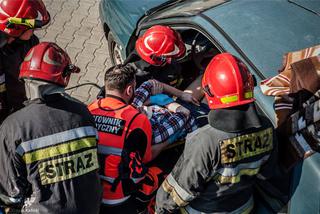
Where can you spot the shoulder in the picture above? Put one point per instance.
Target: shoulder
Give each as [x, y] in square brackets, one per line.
[94, 105]
[202, 138]
[266, 122]
[74, 103]
[203, 133]
[140, 119]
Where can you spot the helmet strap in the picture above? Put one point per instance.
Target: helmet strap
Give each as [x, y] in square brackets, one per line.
[70, 69]
[161, 59]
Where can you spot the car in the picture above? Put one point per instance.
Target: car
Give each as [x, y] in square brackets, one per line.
[258, 32]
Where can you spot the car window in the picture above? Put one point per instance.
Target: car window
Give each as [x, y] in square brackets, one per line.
[199, 51]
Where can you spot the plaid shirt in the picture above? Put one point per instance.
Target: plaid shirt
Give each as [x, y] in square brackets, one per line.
[164, 123]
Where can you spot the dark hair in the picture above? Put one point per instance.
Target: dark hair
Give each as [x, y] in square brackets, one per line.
[119, 77]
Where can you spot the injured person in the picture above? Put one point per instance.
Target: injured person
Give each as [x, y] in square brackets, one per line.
[170, 121]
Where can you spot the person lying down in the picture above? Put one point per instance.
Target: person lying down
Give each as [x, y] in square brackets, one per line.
[170, 121]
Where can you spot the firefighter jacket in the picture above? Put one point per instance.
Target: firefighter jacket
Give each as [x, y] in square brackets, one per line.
[168, 73]
[12, 91]
[48, 158]
[218, 168]
[124, 149]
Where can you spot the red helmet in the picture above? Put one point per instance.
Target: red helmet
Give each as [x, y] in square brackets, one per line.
[159, 44]
[12, 12]
[227, 82]
[48, 62]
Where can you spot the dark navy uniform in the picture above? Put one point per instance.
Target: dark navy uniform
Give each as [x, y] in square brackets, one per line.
[220, 163]
[12, 91]
[48, 158]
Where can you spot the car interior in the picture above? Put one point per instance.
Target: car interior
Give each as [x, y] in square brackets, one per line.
[199, 52]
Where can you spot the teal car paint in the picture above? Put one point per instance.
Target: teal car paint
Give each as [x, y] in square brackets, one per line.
[122, 16]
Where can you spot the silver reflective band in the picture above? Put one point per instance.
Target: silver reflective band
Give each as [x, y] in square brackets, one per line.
[107, 150]
[53, 139]
[227, 172]
[106, 178]
[246, 208]
[115, 201]
[2, 78]
[185, 196]
[137, 180]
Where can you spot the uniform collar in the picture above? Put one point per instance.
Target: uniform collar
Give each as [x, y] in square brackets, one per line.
[47, 99]
[235, 119]
[111, 103]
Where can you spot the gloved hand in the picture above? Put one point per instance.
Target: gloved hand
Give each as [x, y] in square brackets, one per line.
[160, 100]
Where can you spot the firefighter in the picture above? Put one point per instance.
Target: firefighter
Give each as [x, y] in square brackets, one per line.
[155, 57]
[18, 19]
[218, 168]
[48, 159]
[124, 148]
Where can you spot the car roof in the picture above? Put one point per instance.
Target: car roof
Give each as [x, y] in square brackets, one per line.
[265, 30]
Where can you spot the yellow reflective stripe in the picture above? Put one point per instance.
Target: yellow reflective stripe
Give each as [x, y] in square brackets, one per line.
[248, 210]
[174, 195]
[245, 146]
[65, 168]
[56, 150]
[234, 98]
[236, 179]
[183, 210]
[2, 88]
[21, 21]
[248, 94]
[229, 99]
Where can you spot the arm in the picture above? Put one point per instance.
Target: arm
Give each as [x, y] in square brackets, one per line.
[171, 90]
[188, 178]
[142, 94]
[183, 95]
[195, 88]
[3, 95]
[139, 142]
[13, 176]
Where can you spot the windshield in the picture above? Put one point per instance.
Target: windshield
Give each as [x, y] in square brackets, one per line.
[187, 8]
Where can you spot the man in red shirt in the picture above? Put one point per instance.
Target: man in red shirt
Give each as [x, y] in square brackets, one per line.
[124, 146]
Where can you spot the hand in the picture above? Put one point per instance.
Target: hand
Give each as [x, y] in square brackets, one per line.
[188, 97]
[183, 110]
[157, 87]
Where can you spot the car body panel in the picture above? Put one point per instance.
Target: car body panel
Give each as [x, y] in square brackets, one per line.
[122, 16]
[267, 32]
[305, 188]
